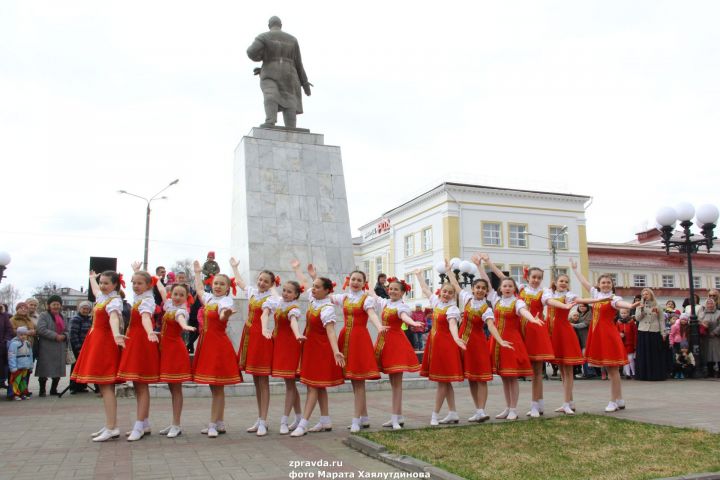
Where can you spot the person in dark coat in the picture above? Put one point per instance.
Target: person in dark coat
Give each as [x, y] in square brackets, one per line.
[6, 334]
[52, 332]
[79, 327]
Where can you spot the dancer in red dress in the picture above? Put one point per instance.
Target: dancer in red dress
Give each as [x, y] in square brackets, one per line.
[174, 358]
[441, 360]
[322, 362]
[604, 347]
[355, 343]
[536, 337]
[477, 367]
[509, 356]
[100, 356]
[140, 359]
[256, 343]
[559, 300]
[393, 351]
[215, 361]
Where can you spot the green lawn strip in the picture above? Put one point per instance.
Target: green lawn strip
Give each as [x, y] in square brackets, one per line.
[580, 447]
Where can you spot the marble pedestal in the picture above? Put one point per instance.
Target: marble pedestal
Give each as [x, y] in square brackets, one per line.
[289, 202]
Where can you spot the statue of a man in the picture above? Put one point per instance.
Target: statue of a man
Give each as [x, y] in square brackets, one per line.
[281, 75]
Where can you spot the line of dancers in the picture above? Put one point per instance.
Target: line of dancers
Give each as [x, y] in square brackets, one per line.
[528, 326]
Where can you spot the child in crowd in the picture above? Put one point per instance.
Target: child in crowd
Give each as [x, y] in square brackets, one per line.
[20, 362]
[684, 362]
[627, 326]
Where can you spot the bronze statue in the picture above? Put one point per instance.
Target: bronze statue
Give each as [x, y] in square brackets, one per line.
[281, 75]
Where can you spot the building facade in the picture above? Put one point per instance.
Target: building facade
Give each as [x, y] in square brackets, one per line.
[517, 228]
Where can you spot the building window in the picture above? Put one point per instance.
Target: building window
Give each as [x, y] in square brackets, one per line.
[639, 280]
[613, 277]
[366, 267]
[428, 277]
[491, 234]
[410, 280]
[717, 282]
[378, 266]
[517, 235]
[561, 271]
[697, 282]
[516, 273]
[668, 281]
[427, 240]
[410, 245]
[558, 237]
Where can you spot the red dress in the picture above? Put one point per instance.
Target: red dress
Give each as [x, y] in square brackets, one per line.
[174, 357]
[476, 358]
[317, 367]
[355, 343]
[536, 337]
[441, 359]
[393, 351]
[99, 356]
[256, 351]
[215, 359]
[507, 362]
[565, 342]
[604, 347]
[630, 338]
[140, 359]
[286, 358]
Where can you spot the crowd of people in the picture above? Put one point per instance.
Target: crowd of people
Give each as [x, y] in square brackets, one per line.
[466, 334]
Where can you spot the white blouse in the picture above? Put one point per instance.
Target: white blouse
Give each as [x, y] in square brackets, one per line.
[597, 294]
[399, 305]
[180, 310]
[466, 297]
[147, 302]
[452, 312]
[223, 302]
[254, 292]
[548, 294]
[354, 296]
[278, 303]
[114, 304]
[327, 315]
[507, 301]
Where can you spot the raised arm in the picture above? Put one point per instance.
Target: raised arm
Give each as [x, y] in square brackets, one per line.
[492, 266]
[452, 278]
[581, 278]
[238, 279]
[301, 278]
[423, 286]
[477, 260]
[199, 287]
[94, 284]
[161, 288]
[136, 266]
[311, 271]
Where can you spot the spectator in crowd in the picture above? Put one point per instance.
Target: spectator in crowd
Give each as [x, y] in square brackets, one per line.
[627, 326]
[195, 305]
[21, 319]
[710, 321]
[79, 327]
[679, 332]
[686, 304]
[418, 315]
[651, 355]
[580, 320]
[32, 306]
[20, 363]
[6, 334]
[684, 362]
[52, 333]
[380, 290]
[160, 273]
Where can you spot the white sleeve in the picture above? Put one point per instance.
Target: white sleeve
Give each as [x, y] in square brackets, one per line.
[295, 312]
[206, 297]
[614, 301]
[434, 300]
[594, 292]
[147, 305]
[404, 308]
[327, 314]
[271, 303]
[380, 304]
[369, 303]
[493, 297]
[453, 312]
[570, 297]
[547, 295]
[519, 305]
[167, 304]
[465, 297]
[181, 312]
[488, 314]
[225, 303]
[250, 291]
[114, 305]
[337, 298]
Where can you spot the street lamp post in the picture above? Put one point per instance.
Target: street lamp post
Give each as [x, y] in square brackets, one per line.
[464, 271]
[147, 215]
[687, 243]
[4, 262]
[553, 249]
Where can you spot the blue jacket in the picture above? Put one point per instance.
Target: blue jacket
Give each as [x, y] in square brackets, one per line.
[19, 355]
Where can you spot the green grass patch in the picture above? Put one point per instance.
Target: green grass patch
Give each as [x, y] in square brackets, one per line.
[580, 447]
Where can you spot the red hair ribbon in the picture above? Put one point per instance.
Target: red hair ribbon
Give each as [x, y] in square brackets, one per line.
[526, 272]
[233, 285]
[209, 280]
[332, 287]
[346, 283]
[154, 280]
[366, 286]
[437, 292]
[277, 280]
[190, 300]
[121, 281]
[403, 284]
[302, 289]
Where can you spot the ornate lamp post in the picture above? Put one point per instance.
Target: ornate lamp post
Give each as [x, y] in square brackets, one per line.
[553, 248]
[463, 270]
[4, 262]
[147, 215]
[687, 243]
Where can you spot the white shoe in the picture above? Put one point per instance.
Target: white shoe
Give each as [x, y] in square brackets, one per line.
[451, 417]
[284, 430]
[298, 432]
[165, 430]
[533, 413]
[254, 427]
[261, 430]
[566, 409]
[479, 418]
[212, 431]
[354, 428]
[512, 414]
[135, 435]
[320, 427]
[107, 435]
[612, 407]
[145, 430]
[503, 415]
[434, 422]
[389, 423]
[219, 427]
[174, 432]
[99, 432]
[620, 403]
[295, 423]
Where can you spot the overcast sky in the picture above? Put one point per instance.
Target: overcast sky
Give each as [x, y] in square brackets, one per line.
[613, 99]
